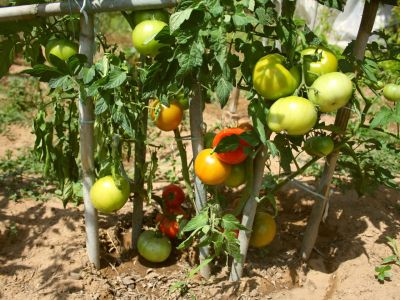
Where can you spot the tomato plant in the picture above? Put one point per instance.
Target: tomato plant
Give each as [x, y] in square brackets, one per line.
[316, 62]
[154, 247]
[210, 169]
[331, 91]
[176, 211]
[264, 230]
[272, 80]
[391, 92]
[143, 37]
[166, 118]
[173, 195]
[237, 176]
[63, 49]
[107, 195]
[235, 156]
[319, 145]
[293, 115]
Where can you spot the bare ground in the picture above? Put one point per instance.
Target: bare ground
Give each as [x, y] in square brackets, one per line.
[42, 251]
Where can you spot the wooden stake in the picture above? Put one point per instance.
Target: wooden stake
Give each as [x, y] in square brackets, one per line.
[342, 118]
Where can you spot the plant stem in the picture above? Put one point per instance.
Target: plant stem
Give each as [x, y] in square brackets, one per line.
[185, 168]
[86, 112]
[139, 175]
[196, 129]
[342, 118]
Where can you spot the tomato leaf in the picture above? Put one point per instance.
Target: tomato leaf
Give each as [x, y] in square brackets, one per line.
[177, 18]
[197, 222]
[201, 265]
[230, 222]
[337, 4]
[285, 153]
[43, 72]
[115, 79]
[223, 90]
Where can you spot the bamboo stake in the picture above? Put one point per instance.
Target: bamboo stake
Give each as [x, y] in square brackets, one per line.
[86, 112]
[196, 130]
[24, 12]
[249, 212]
[342, 118]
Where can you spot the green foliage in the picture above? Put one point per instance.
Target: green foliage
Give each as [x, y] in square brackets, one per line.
[383, 271]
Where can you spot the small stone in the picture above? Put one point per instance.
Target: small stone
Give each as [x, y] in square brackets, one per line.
[75, 276]
[127, 281]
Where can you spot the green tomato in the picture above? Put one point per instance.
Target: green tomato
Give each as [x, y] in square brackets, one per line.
[237, 176]
[106, 196]
[319, 146]
[331, 91]
[183, 100]
[391, 92]
[143, 37]
[294, 115]
[150, 14]
[154, 247]
[63, 49]
[327, 64]
[272, 80]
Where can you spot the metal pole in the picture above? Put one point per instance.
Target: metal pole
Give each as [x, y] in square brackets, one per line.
[86, 112]
[24, 12]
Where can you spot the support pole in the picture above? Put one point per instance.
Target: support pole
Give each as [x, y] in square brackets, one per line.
[86, 112]
[25, 12]
[249, 212]
[196, 130]
[342, 118]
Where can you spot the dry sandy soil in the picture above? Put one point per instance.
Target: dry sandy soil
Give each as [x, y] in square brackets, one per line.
[42, 251]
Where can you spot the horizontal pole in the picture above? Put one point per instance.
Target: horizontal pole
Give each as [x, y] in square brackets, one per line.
[24, 12]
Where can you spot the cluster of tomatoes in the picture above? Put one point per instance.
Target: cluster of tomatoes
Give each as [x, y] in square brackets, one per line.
[155, 246]
[227, 167]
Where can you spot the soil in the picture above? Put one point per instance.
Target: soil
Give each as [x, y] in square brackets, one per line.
[42, 249]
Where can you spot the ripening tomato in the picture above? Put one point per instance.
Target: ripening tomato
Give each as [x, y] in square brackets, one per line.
[168, 118]
[327, 63]
[264, 230]
[169, 227]
[63, 49]
[153, 246]
[237, 176]
[294, 115]
[272, 80]
[173, 195]
[209, 168]
[235, 156]
[143, 37]
[106, 196]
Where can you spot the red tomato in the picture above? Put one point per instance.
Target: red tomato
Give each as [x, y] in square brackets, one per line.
[176, 211]
[231, 157]
[169, 227]
[173, 195]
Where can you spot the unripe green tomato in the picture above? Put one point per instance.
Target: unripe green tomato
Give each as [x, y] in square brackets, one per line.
[154, 247]
[327, 64]
[391, 92]
[63, 49]
[106, 196]
[272, 80]
[150, 14]
[143, 37]
[319, 146]
[331, 91]
[237, 176]
[293, 115]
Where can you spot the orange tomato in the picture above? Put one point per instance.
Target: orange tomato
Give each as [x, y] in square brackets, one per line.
[235, 156]
[166, 118]
[264, 230]
[210, 169]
